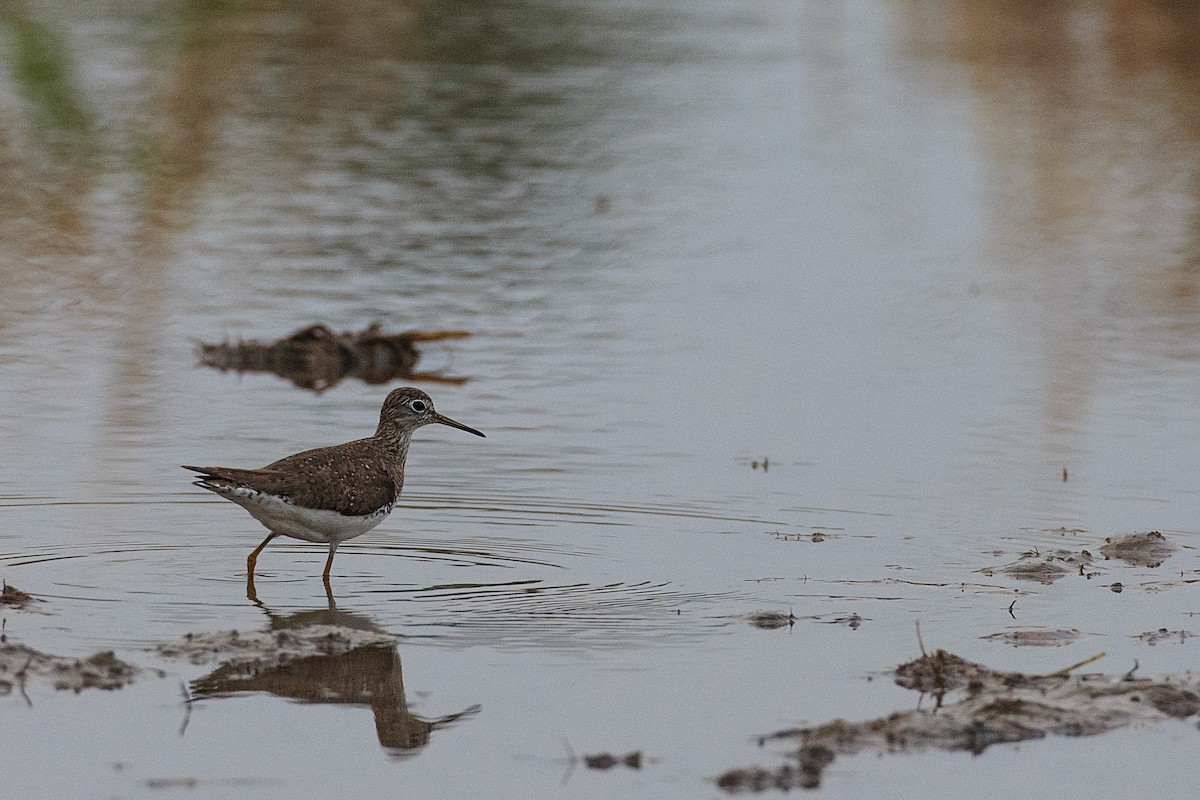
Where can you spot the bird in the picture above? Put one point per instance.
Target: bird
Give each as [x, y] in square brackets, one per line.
[330, 494]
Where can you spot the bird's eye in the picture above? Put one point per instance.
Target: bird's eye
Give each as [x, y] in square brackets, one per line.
[419, 406]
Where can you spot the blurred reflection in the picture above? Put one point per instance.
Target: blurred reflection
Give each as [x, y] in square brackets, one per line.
[46, 170]
[1086, 119]
[329, 656]
[169, 172]
[1090, 114]
[317, 358]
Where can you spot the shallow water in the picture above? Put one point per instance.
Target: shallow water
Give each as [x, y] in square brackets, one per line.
[923, 257]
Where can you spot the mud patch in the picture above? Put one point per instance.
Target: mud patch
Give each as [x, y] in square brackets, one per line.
[13, 597]
[1046, 568]
[770, 620]
[608, 760]
[1164, 635]
[21, 666]
[773, 620]
[1034, 638]
[317, 358]
[996, 707]
[272, 647]
[1140, 549]
[815, 536]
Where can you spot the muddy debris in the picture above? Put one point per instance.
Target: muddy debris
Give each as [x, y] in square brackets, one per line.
[267, 648]
[811, 762]
[1034, 638]
[21, 666]
[1139, 549]
[815, 536]
[1046, 568]
[317, 357]
[633, 760]
[13, 597]
[1163, 635]
[994, 707]
[771, 620]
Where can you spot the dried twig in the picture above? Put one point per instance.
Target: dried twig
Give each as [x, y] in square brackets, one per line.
[1062, 673]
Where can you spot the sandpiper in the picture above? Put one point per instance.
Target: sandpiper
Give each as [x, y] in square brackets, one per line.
[330, 494]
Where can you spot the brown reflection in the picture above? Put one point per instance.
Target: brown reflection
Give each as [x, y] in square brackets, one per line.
[158, 162]
[351, 667]
[1085, 121]
[47, 171]
[317, 358]
[97, 185]
[1090, 115]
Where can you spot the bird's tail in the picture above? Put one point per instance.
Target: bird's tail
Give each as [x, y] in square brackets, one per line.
[211, 479]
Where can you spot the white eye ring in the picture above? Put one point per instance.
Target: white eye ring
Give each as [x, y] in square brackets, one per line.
[419, 406]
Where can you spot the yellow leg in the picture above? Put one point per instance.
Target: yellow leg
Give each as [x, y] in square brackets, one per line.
[253, 557]
[250, 561]
[329, 561]
[325, 575]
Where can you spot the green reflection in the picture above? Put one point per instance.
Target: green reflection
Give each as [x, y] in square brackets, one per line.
[43, 72]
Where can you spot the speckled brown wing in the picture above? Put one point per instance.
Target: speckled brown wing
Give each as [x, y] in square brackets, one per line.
[350, 478]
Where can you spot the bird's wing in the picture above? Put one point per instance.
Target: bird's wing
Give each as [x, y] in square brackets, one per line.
[349, 482]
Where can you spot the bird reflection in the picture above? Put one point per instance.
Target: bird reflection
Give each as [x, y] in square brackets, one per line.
[369, 674]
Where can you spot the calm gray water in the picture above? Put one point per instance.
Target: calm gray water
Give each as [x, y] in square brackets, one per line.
[921, 256]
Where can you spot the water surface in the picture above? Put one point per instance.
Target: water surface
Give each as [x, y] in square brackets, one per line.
[923, 257]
